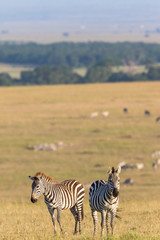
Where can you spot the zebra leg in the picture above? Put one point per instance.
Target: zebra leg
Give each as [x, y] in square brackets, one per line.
[75, 214]
[53, 219]
[95, 221]
[113, 214]
[107, 222]
[59, 218]
[103, 221]
[80, 215]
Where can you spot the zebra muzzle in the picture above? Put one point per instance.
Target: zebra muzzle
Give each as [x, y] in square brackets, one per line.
[115, 192]
[33, 200]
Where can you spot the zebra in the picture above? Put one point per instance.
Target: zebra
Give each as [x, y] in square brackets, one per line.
[59, 196]
[104, 198]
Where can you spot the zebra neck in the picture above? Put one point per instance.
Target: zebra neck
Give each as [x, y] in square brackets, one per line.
[49, 195]
[110, 186]
[113, 192]
[48, 190]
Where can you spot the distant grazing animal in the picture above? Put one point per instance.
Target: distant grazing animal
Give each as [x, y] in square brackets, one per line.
[147, 113]
[94, 114]
[158, 161]
[104, 198]
[126, 166]
[156, 154]
[154, 166]
[105, 114]
[121, 164]
[139, 166]
[59, 196]
[128, 181]
[157, 119]
[125, 110]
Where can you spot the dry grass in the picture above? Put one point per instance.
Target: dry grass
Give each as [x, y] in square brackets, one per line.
[132, 69]
[80, 71]
[32, 115]
[23, 220]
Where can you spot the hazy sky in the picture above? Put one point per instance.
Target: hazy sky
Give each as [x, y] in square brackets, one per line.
[19, 10]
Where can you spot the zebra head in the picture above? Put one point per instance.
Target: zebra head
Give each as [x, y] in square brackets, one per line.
[114, 180]
[37, 188]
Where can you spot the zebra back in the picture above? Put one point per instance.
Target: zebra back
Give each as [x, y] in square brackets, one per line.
[74, 189]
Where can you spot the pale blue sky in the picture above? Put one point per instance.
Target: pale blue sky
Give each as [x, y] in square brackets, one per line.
[20, 10]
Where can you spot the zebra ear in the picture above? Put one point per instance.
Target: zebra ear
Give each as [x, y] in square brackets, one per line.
[118, 170]
[109, 170]
[32, 178]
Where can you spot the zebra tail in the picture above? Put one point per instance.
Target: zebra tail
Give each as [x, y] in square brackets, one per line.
[82, 213]
[118, 217]
[119, 210]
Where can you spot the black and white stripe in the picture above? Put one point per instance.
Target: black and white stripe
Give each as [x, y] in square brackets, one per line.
[59, 196]
[104, 198]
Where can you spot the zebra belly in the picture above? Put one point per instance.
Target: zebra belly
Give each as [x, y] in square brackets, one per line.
[104, 206]
[111, 207]
[52, 205]
[68, 205]
[63, 205]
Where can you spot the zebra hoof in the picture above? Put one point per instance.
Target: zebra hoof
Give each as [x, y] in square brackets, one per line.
[75, 233]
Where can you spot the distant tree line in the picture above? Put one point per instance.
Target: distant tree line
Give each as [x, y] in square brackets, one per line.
[46, 75]
[69, 54]
[54, 63]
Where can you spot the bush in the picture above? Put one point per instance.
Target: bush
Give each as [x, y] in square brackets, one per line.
[49, 75]
[5, 79]
[120, 77]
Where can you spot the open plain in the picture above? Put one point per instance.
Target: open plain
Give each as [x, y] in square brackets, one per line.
[48, 114]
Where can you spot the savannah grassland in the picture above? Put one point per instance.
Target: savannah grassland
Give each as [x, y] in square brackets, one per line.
[48, 114]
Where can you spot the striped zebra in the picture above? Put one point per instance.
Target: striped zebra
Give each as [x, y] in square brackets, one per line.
[59, 196]
[103, 198]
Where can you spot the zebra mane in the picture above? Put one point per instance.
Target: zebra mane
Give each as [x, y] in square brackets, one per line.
[43, 175]
[113, 169]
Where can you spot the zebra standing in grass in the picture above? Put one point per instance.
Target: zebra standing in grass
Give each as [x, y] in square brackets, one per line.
[103, 198]
[59, 196]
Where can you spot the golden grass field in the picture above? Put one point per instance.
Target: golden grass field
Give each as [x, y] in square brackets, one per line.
[48, 114]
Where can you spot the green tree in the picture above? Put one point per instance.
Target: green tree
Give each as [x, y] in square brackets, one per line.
[120, 77]
[98, 74]
[5, 79]
[49, 75]
[154, 73]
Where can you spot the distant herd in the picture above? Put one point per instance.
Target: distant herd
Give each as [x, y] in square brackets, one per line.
[146, 112]
[125, 110]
